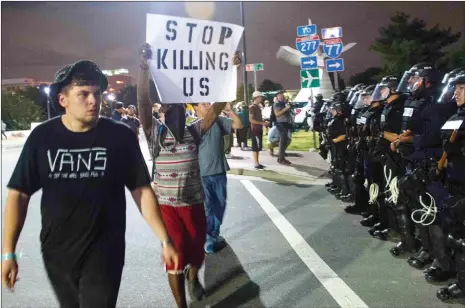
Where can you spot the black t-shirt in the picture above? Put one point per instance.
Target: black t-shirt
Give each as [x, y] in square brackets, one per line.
[82, 177]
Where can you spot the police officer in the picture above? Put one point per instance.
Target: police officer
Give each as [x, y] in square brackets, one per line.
[336, 134]
[419, 132]
[369, 131]
[455, 182]
[358, 177]
[389, 129]
[351, 152]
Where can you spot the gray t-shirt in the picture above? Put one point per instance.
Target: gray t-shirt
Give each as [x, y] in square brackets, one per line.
[286, 117]
[211, 152]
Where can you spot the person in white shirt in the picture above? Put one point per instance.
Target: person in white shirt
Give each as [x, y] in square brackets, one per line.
[266, 114]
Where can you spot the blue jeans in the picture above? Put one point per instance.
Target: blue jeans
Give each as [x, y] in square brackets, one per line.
[214, 187]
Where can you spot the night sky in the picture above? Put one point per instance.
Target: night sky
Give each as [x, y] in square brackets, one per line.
[40, 37]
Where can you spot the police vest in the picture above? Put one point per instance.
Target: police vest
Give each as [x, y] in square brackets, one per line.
[391, 116]
[411, 118]
[456, 155]
[336, 127]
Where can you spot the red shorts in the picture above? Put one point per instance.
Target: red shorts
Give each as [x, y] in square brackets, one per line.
[187, 227]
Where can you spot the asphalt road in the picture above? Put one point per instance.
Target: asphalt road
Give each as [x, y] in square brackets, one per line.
[289, 246]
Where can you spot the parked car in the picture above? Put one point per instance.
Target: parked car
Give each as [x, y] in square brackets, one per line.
[302, 118]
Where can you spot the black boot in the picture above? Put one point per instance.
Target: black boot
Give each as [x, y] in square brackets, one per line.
[352, 209]
[377, 227]
[369, 222]
[453, 291]
[348, 198]
[420, 260]
[437, 274]
[366, 214]
[402, 248]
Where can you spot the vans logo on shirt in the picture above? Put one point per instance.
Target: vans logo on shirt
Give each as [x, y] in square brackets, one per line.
[77, 163]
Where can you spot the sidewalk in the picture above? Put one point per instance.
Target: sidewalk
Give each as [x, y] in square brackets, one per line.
[13, 142]
[305, 165]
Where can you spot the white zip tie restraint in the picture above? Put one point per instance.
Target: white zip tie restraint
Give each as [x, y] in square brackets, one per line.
[430, 210]
[374, 192]
[391, 185]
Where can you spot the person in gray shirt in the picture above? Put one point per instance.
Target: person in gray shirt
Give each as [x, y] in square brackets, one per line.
[282, 110]
[213, 168]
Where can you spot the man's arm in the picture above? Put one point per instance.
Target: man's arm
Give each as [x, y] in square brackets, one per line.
[236, 121]
[279, 112]
[210, 117]
[13, 220]
[143, 86]
[147, 204]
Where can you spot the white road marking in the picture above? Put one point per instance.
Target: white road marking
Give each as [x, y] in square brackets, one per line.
[337, 288]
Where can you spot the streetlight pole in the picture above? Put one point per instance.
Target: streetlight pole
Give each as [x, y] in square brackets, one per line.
[244, 61]
[49, 101]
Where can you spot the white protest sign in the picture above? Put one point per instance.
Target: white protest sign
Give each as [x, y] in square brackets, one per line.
[192, 59]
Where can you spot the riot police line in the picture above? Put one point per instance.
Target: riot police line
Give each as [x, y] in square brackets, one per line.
[397, 153]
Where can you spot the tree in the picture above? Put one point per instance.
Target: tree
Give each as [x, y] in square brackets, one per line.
[369, 76]
[18, 111]
[405, 42]
[456, 58]
[240, 94]
[268, 85]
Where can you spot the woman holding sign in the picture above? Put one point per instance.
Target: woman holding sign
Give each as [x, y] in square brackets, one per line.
[177, 183]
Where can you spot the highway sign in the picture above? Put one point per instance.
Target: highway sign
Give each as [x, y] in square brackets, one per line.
[328, 33]
[307, 63]
[308, 45]
[332, 50]
[334, 65]
[306, 30]
[310, 78]
[254, 67]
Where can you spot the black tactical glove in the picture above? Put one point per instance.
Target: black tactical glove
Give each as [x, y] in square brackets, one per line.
[435, 175]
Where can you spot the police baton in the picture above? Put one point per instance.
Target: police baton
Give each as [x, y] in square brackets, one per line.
[443, 159]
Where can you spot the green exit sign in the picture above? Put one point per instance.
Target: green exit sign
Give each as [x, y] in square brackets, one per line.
[310, 78]
[254, 67]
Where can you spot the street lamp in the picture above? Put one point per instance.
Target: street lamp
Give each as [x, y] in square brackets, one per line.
[47, 91]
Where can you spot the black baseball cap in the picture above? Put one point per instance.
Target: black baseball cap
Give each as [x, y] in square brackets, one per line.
[64, 76]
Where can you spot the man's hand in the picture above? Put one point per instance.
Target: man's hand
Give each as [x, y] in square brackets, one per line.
[9, 274]
[237, 60]
[395, 145]
[145, 53]
[170, 255]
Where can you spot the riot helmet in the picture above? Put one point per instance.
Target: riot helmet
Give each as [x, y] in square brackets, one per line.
[337, 107]
[354, 98]
[364, 98]
[384, 89]
[353, 90]
[451, 75]
[449, 88]
[319, 97]
[458, 83]
[413, 81]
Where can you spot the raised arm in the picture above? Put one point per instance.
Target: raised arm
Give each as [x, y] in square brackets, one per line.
[215, 110]
[143, 86]
[236, 121]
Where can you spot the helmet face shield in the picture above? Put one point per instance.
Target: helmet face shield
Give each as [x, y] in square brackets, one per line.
[447, 94]
[380, 93]
[403, 86]
[363, 101]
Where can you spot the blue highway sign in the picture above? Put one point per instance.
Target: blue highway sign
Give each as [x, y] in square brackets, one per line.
[333, 48]
[307, 45]
[306, 30]
[307, 63]
[334, 65]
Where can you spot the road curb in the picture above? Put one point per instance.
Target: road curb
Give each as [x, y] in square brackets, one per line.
[274, 176]
[12, 147]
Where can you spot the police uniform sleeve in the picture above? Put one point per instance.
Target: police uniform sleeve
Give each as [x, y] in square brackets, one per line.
[25, 177]
[136, 172]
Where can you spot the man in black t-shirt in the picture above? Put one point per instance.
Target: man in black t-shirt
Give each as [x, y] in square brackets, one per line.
[82, 177]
